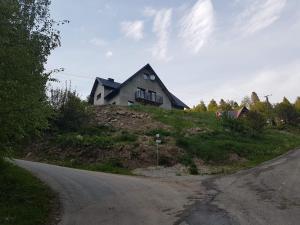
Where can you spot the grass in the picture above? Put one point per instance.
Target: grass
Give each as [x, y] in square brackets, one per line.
[24, 200]
[110, 166]
[214, 143]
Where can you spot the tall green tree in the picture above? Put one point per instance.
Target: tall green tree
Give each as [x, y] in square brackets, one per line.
[27, 36]
[297, 104]
[224, 106]
[212, 106]
[246, 102]
[286, 112]
[254, 98]
[201, 107]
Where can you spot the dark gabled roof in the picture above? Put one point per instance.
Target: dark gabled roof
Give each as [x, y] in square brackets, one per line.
[117, 86]
[178, 102]
[108, 83]
[105, 82]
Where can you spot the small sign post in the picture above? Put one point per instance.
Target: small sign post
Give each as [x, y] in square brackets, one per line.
[158, 141]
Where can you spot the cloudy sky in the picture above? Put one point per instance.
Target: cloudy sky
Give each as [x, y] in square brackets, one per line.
[200, 49]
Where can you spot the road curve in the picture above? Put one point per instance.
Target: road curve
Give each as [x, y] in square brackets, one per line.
[265, 195]
[93, 198]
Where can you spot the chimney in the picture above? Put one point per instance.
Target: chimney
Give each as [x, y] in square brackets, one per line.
[110, 79]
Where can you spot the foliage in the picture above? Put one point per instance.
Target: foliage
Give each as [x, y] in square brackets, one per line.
[254, 98]
[246, 102]
[72, 113]
[297, 104]
[77, 140]
[224, 106]
[286, 112]
[27, 37]
[254, 123]
[201, 107]
[212, 106]
[110, 166]
[125, 137]
[24, 200]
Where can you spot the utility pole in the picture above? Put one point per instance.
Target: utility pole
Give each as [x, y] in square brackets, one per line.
[268, 107]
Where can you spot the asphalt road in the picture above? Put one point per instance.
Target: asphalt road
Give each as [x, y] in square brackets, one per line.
[265, 195]
[93, 198]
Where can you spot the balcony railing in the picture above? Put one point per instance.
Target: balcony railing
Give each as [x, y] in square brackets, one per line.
[142, 96]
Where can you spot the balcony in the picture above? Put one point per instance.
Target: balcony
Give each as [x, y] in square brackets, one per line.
[148, 98]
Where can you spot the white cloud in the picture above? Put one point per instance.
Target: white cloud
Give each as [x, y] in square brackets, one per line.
[161, 28]
[149, 11]
[108, 54]
[98, 42]
[260, 15]
[133, 29]
[198, 25]
[279, 81]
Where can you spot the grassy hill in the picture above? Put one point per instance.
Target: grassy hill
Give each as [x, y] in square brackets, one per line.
[123, 138]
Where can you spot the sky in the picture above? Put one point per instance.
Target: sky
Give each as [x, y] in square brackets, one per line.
[200, 49]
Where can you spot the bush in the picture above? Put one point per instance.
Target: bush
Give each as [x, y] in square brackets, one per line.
[255, 123]
[72, 113]
[251, 125]
[126, 137]
[77, 140]
[231, 124]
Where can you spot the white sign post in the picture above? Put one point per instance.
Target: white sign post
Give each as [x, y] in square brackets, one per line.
[158, 141]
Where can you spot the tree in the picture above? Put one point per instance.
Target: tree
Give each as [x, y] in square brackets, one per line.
[27, 37]
[224, 106]
[200, 107]
[297, 104]
[71, 113]
[234, 105]
[212, 106]
[254, 98]
[286, 112]
[246, 102]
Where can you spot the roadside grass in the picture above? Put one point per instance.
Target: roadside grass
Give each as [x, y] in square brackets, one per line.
[214, 144]
[24, 200]
[110, 166]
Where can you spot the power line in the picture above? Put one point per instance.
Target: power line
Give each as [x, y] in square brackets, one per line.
[74, 75]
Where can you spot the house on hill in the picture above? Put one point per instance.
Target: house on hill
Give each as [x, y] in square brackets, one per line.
[144, 87]
[242, 112]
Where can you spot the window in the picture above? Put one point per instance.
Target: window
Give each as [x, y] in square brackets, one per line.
[152, 95]
[130, 103]
[146, 76]
[141, 92]
[98, 96]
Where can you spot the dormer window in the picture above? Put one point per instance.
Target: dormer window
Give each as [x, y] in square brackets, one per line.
[146, 76]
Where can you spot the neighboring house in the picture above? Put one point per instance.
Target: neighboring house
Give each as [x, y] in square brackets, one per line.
[143, 87]
[234, 114]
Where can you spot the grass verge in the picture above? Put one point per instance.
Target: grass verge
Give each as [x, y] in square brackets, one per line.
[24, 200]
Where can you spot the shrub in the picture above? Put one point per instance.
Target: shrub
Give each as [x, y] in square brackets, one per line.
[231, 124]
[193, 169]
[250, 125]
[72, 113]
[254, 123]
[162, 132]
[126, 137]
[77, 140]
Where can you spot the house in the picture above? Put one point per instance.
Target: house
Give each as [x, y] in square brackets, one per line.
[143, 87]
[242, 112]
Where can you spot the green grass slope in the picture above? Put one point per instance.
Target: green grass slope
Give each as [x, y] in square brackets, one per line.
[24, 200]
[202, 136]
